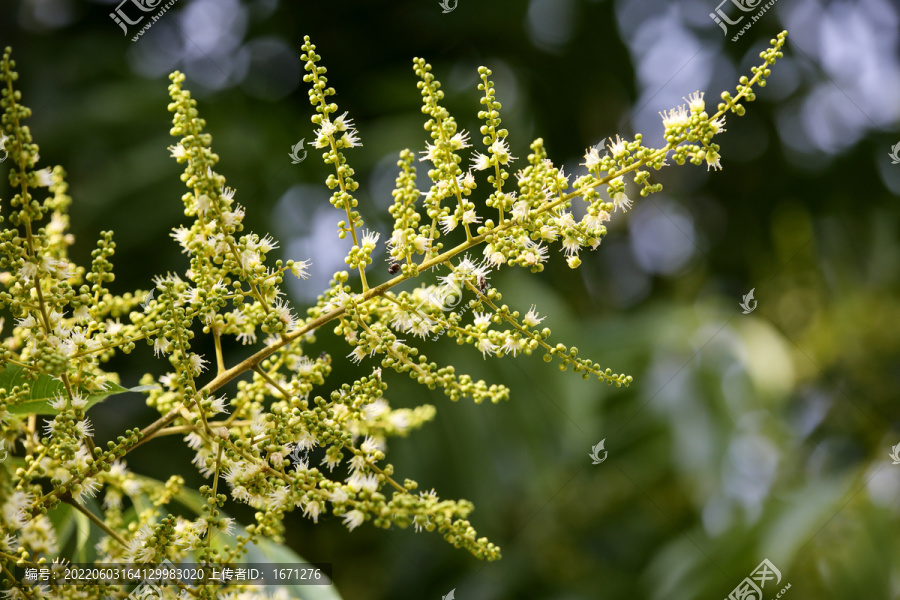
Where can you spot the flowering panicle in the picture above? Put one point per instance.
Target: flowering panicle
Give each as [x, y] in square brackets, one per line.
[265, 437]
[406, 241]
[333, 135]
[448, 180]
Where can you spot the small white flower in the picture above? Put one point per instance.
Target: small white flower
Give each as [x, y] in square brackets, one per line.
[354, 519]
[370, 445]
[78, 400]
[370, 239]
[284, 314]
[28, 271]
[717, 125]
[278, 498]
[311, 510]
[327, 128]
[592, 158]
[470, 217]
[59, 403]
[350, 139]
[62, 269]
[321, 140]
[232, 217]
[448, 223]
[267, 244]
[430, 153]
[338, 496]
[44, 177]
[227, 193]
[482, 320]
[495, 258]
[226, 525]
[422, 327]
[342, 123]
[197, 363]
[531, 319]
[84, 428]
[570, 245]
[500, 149]
[87, 489]
[178, 151]
[218, 405]
[695, 102]
[677, 117]
[512, 346]
[81, 314]
[403, 321]
[300, 268]
[26, 323]
[594, 223]
[203, 204]
[617, 148]
[486, 346]
[565, 221]
[620, 200]
[421, 243]
[113, 327]
[357, 481]
[460, 140]
[161, 346]
[258, 425]
[480, 161]
[712, 160]
[520, 210]
[357, 354]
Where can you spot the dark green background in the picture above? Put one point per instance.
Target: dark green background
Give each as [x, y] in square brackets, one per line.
[743, 437]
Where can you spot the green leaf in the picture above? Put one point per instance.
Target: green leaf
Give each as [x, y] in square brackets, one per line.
[45, 388]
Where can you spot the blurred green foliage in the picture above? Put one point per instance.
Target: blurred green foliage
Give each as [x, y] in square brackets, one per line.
[743, 437]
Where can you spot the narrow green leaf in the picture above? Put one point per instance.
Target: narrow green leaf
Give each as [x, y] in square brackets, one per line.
[45, 388]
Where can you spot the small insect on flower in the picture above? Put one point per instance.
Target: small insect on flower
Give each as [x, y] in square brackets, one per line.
[482, 283]
[394, 268]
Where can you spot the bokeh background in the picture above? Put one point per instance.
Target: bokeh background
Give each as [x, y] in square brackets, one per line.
[743, 437]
